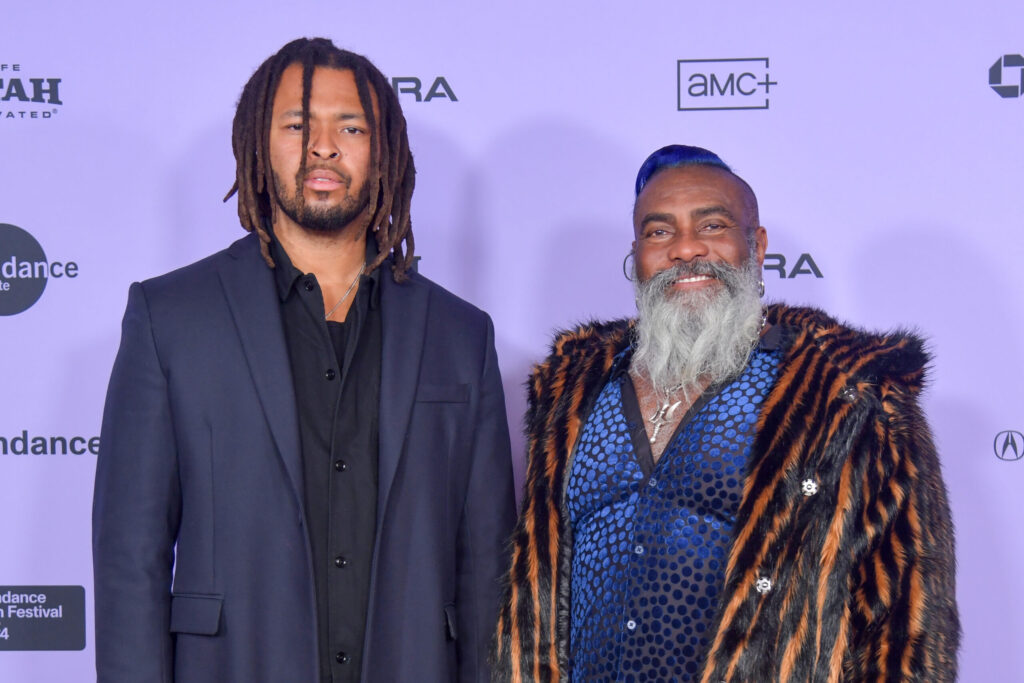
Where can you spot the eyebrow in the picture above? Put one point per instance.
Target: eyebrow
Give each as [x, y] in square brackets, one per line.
[657, 218]
[712, 211]
[696, 214]
[346, 116]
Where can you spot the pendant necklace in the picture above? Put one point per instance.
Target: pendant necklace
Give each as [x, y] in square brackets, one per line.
[347, 292]
[663, 415]
[667, 408]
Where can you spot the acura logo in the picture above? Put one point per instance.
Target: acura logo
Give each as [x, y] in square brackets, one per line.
[1009, 445]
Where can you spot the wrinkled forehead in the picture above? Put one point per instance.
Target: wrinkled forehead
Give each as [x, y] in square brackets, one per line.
[697, 181]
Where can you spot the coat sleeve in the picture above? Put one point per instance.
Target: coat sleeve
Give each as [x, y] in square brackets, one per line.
[136, 511]
[525, 647]
[486, 520]
[903, 611]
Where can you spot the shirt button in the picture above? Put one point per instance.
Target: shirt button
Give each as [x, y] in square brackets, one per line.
[341, 658]
[638, 549]
[330, 374]
[652, 482]
[631, 625]
[340, 562]
[308, 285]
[340, 465]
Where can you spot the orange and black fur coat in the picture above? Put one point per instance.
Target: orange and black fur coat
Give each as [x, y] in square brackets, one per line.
[862, 570]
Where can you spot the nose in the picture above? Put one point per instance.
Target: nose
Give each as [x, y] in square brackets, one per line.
[322, 145]
[686, 246]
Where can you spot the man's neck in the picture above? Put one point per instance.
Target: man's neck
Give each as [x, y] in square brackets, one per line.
[329, 256]
[335, 259]
[661, 415]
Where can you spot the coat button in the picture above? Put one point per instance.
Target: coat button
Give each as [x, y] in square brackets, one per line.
[809, 487]
[763, 585]
[340, 465]
[308, 285]
[341, 658]
[330, 374]
[340, 562]
[848, 394]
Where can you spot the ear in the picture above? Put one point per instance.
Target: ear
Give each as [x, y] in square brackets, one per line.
[760, 244]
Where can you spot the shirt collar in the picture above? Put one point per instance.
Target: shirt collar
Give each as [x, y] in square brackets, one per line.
[286, 274]
[771, 340]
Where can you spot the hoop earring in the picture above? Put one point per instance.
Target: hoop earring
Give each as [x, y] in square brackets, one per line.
[626, 272]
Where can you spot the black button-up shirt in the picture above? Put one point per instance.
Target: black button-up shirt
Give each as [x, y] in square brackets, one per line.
[336, 371]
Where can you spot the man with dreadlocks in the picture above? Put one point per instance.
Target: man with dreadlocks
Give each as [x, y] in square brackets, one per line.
[304, 472]
[720, 491]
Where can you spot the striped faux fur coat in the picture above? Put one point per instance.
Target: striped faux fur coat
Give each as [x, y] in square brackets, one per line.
[862, 571]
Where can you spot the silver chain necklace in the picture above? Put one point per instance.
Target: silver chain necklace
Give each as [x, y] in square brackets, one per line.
[347, 292]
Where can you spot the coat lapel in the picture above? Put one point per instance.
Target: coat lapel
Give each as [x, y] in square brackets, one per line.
[404, 323]
[249, 287]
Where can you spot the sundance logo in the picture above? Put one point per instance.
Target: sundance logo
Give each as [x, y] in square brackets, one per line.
[717, 84]
[24, 270]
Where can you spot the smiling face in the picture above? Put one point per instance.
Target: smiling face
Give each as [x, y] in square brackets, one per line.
[698, 256]
[332, 190]
[691, 214]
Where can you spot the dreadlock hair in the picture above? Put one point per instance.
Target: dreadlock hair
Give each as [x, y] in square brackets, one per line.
[391, 176]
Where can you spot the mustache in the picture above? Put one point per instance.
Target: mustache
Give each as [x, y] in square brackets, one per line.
[310, 168]
[726, 273]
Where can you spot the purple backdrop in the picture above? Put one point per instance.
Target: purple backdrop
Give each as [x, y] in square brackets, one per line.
[884, 142]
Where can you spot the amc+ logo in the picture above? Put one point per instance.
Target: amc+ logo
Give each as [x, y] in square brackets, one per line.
[1009, 445]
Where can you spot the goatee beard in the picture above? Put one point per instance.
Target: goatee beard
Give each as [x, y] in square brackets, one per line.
[686, 340]
[323, 220]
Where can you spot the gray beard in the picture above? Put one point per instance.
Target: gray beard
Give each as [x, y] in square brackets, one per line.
[684, 340]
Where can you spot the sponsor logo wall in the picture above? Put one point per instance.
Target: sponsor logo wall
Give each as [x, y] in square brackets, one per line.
[888, 174]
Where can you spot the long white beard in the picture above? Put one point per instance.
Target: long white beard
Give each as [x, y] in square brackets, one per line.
[683, 339]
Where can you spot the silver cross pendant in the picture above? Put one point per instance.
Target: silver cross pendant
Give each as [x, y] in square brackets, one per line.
[662, 416]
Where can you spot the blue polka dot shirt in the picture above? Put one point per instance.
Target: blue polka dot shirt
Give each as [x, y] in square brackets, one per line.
[650, 541]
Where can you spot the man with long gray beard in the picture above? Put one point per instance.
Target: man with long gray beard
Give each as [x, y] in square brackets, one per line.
[725, 491]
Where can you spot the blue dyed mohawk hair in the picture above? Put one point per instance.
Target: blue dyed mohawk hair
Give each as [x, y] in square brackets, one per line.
[672, 156]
